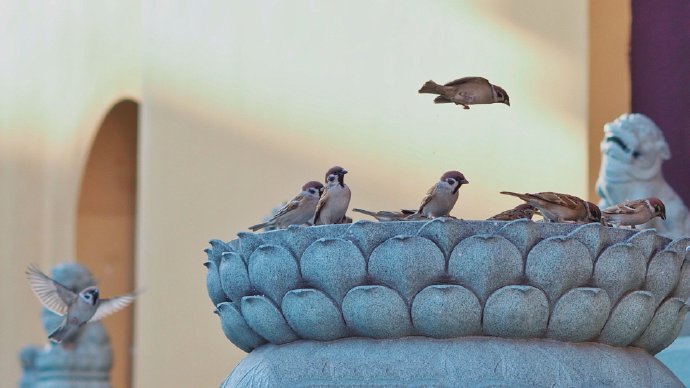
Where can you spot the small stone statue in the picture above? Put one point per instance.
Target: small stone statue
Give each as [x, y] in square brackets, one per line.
[633, 151]
[83, 360]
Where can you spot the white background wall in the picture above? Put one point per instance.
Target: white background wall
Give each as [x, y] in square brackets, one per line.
[241, 103]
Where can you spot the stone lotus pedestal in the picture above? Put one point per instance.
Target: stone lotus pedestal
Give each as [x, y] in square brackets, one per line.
[450, 303]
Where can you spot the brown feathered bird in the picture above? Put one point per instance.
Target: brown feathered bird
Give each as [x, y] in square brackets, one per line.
[521, 211]
[467, 91]
[557, 207]
[636, 212]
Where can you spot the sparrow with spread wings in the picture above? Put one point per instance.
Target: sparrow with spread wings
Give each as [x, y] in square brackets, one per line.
[467, 91]
[76, 308]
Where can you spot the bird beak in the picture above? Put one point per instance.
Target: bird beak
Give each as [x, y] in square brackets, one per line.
[464, 181]
[344, 172]
[663, 216]
[507, 102]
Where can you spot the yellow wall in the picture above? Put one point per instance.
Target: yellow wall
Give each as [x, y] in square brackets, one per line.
[241, 103]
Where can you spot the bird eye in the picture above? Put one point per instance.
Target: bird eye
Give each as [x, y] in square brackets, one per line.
[311, 191]
[451, 181]
[331, 178]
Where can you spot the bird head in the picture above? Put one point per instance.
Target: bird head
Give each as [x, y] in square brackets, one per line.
[454, 179]
[593, 212]
[313, 189]
[658, 207]
[335, 175]
[90, 295]
[501, 95]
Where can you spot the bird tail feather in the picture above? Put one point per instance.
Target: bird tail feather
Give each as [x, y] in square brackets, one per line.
[431, 87]
[256, 227]
[59, 334]
[523, 197]
[367, 212]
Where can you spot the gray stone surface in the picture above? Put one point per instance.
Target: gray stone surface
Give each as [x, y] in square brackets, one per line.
[485, 263]
[516, 312]
[463, 362]
[376, 312]
[664, 327]
[266, 319]
[313, 315]
[579, 315]
[407, 264]
[393, 279]
[446, 311]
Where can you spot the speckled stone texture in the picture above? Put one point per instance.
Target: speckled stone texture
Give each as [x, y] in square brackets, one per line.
[462, 362]
[450, 279]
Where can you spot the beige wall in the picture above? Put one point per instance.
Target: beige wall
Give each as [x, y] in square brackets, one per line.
[241, 102]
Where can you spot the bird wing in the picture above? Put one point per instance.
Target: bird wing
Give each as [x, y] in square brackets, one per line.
[441, 100]
[53, 295]
[290, 206]
[427, 198]
[627, 207]
[112, 305]
[465, 80]
[565, 200]
[322, 202]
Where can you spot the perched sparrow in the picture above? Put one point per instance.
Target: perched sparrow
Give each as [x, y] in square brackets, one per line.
[442, 196]
[78, 309]
[298, 211]
[383, 215]
[557, 207]
[467, 91]
[333, 204]
[524, 210]
[637, 212]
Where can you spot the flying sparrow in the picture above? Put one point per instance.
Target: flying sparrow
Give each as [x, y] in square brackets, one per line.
[467, 91]
[556, 207]
[78, 309]
[298, 211]
[524, 210]
[333, 204]
[637, 212]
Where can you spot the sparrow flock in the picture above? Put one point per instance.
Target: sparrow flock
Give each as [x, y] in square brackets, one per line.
[327, 203]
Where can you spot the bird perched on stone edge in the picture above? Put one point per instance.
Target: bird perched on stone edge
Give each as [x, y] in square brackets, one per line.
[467, 91]
[521, 211]
[557, 207]
[335, 200]
[298, 211]
[76, 308]
[635, 212]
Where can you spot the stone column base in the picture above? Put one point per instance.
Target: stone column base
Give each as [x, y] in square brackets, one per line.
[467, 361]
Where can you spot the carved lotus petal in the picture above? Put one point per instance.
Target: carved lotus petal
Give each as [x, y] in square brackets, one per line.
[663, 273]
[523, 233]
[313, 315]
[376, 312]
[298, 238]
[682, 291]
[234, 277]
[266, 320]
[619, 269]
[218, 247]
[664, 327]
[407, 264]
[248, 243]
[485, 263]
[446, 311]
[273, 271]
[597, 237]
[628, 319]
[516, 312]
[558, 264]
[367, 235]
[215, 291]
[579, 315]
[236, 329]
[648, 242]
[679, 245]
[446, 233]
[334, 266]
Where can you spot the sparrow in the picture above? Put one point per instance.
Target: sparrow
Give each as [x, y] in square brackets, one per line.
[76, 308]
[298, 211]
[441, 197]
[524, 210]
[631, 213]
[556, 207]
[467, 91]
[333, 203]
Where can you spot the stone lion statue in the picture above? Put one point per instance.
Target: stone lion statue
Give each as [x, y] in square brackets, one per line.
[633, 151]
